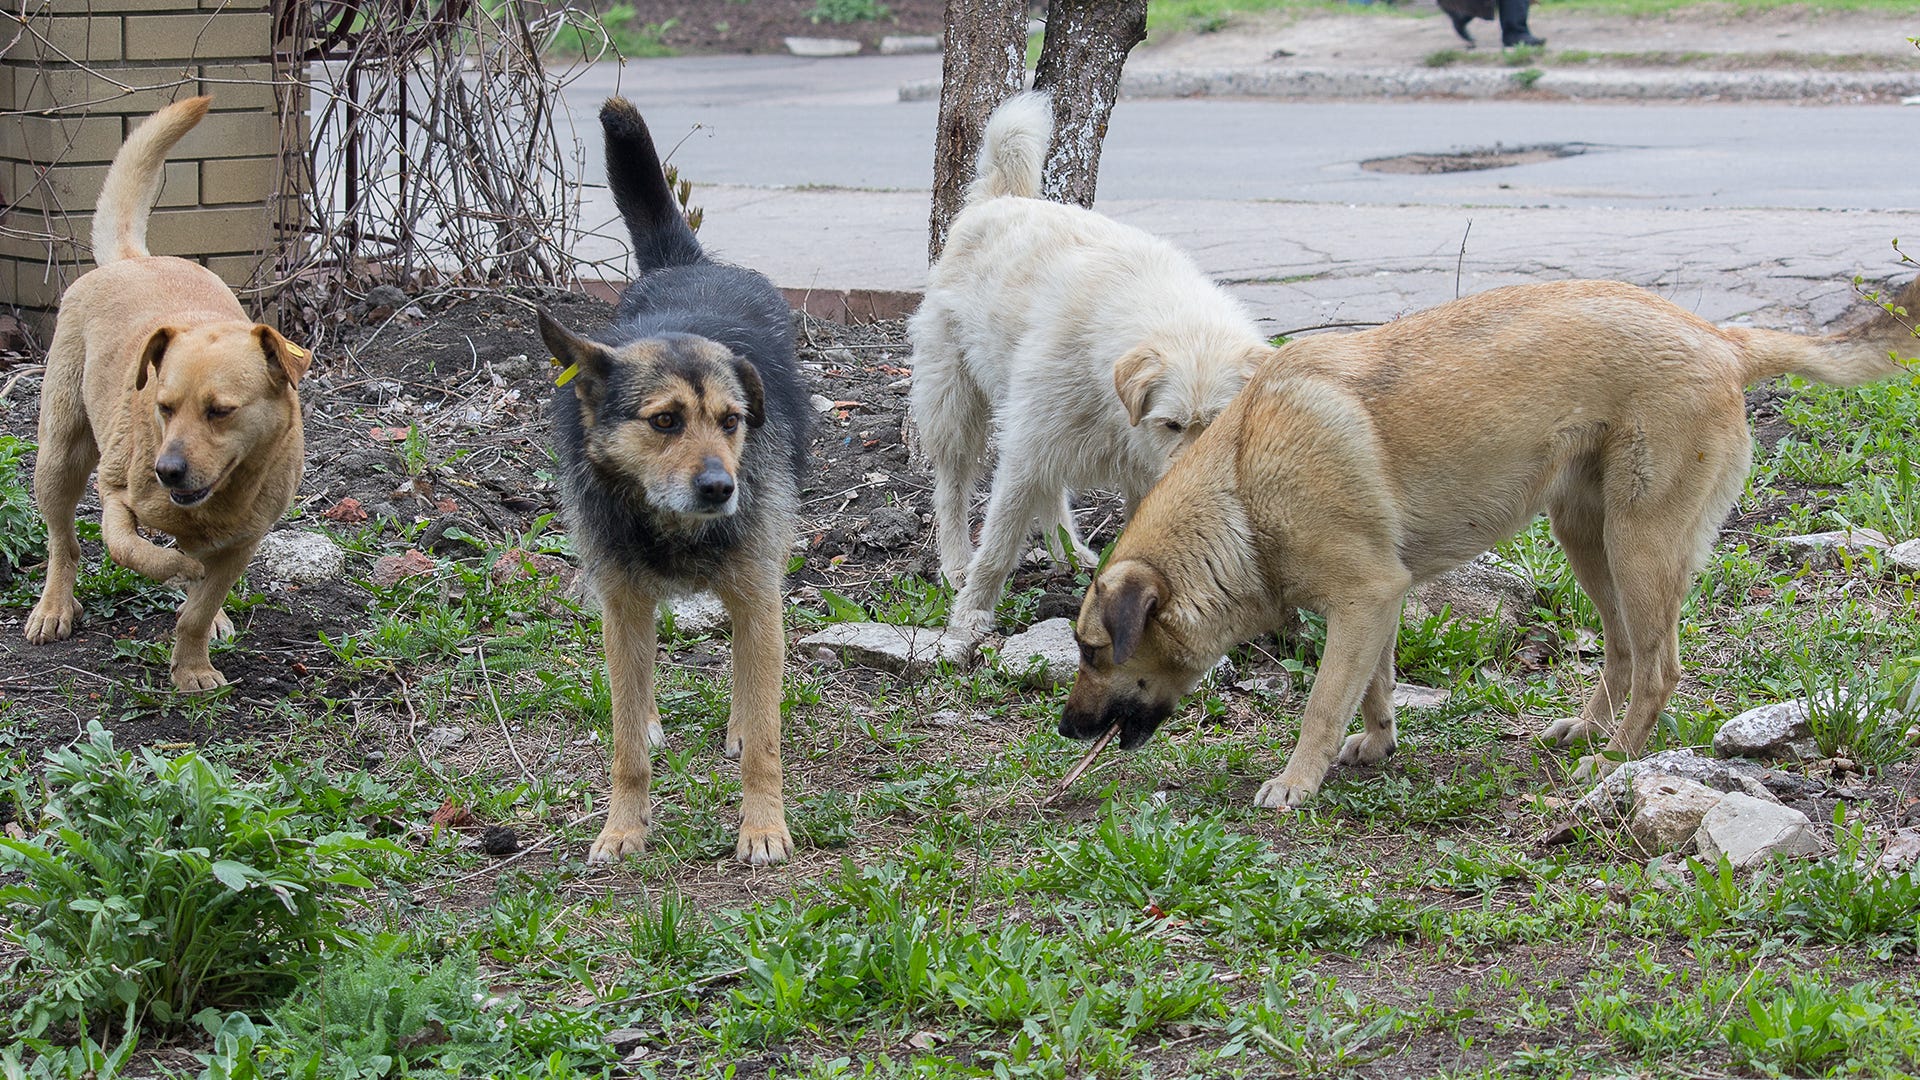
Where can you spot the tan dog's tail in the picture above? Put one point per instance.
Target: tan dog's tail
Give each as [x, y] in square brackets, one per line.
[1013, 149]
[133, 182]
[1864, 354]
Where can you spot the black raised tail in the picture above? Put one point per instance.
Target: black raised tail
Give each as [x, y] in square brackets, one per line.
[660, 234]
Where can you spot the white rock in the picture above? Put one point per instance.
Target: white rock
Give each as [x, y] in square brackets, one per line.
[895, 44]
[903, 650]
[1749, 831]
[1667, 811]
[1611, 800]
[299, 558]
[821, 403]
[1410, 696]
[1045, 656]
[1824, 548]
[443, 737]
[1906, 556]
[1902, 852]
[696, 614]
[1779, 730]
[822, 46]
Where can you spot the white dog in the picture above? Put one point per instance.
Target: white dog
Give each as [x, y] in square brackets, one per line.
[1097, 351]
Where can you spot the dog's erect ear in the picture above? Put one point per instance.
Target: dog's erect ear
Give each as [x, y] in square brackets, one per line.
[290, 360]
[1134, 377]
[150, 355]
[755, 390]
[587, 358]
[1130, 603]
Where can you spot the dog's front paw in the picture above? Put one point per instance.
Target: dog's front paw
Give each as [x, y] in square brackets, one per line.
[1593, 767]
[1284, 792]
[1367, 748]
[197, 678]
[616, 842]
[222, 627]
[977, 622]
[52, 621]
[1569, 732]
[764, 845]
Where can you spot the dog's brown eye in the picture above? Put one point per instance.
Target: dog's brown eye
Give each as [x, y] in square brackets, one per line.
[1174, 426]
[665, 421]
[218, 412]
[730, 423]
[166, 412]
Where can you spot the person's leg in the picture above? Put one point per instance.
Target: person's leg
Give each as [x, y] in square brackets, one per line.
[1513, 24]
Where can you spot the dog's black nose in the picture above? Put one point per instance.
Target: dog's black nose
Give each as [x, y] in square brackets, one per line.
[171, 469]
[715, 483]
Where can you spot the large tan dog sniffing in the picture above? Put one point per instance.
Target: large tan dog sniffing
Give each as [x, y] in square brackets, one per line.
[1357, 466]
[1095, 352]
[188, 407]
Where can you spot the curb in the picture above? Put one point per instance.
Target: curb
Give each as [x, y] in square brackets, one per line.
[1650, 85]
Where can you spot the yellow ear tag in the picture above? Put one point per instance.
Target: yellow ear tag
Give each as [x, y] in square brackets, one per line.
[566, 376]
[298, 352]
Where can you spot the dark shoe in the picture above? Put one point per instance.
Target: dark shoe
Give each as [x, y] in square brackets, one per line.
[1522, 39]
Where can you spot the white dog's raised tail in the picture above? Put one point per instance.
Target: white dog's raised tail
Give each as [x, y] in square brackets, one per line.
[1013, 149]
[133, 181]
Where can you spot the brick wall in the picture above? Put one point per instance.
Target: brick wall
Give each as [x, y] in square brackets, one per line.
[82, 74]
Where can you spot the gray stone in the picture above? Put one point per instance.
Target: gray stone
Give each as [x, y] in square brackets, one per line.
[1905, 556]
[1611, 800]
[896, 44]
[1479, 590]
[1667, 810]
[1769, 731]
[1045, 656]
[1750, 831]
[696, 614]
[443, 737]
[903, 650]
[822, 46]
[1824, 548]
[1410, 696]
[299, 558]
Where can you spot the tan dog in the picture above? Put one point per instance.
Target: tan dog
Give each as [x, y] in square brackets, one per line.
[1355, 467]
[188, 407]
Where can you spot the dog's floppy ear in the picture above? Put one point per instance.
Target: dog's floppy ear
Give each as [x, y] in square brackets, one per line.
[151, 354]
[588, 359]
[1130, 603]
[1134, 376]
[755, 390]
[283, 356]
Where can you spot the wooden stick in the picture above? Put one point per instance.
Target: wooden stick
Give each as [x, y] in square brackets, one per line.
[1080, 767]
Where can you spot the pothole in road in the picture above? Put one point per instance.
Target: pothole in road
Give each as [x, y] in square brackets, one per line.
[1499, 157]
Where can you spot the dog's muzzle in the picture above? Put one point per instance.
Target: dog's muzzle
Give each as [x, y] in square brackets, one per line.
[172, 471]
[1138, 720]
[713, 488]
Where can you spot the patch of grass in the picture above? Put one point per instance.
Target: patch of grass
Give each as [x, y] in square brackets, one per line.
[843, 12]
[618, 29]
[1526, 77]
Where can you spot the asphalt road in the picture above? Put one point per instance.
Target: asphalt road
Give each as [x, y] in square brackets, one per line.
[786, 122]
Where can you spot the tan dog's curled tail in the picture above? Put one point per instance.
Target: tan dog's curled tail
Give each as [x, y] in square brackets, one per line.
[1862, 355]
[133, 181]
[1013, 149]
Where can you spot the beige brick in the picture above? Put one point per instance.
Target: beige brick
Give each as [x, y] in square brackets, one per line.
[199, 37]
[62, 38]
[37, 286]
[35, 237]
[232, 135]
[226, 231]
[238, 180]
[245, 87]
[60, 138]
[74, 188]
[102, 90]
[106, 7]
[7, 281]
[238, 270]
[237, 5]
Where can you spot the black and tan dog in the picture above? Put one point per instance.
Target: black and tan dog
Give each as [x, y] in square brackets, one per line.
[681, 443]
[1354, 467]
[189, 408]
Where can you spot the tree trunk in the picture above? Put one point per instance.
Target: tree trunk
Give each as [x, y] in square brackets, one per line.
[1086, 45]
[983, 63]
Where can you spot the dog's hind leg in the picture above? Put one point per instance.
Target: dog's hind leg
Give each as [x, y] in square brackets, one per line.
[759, 659]
[953, 417]
[1579, 523]
[627, 615]
[67, 454]
[1378, 742]
[1360, 633]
